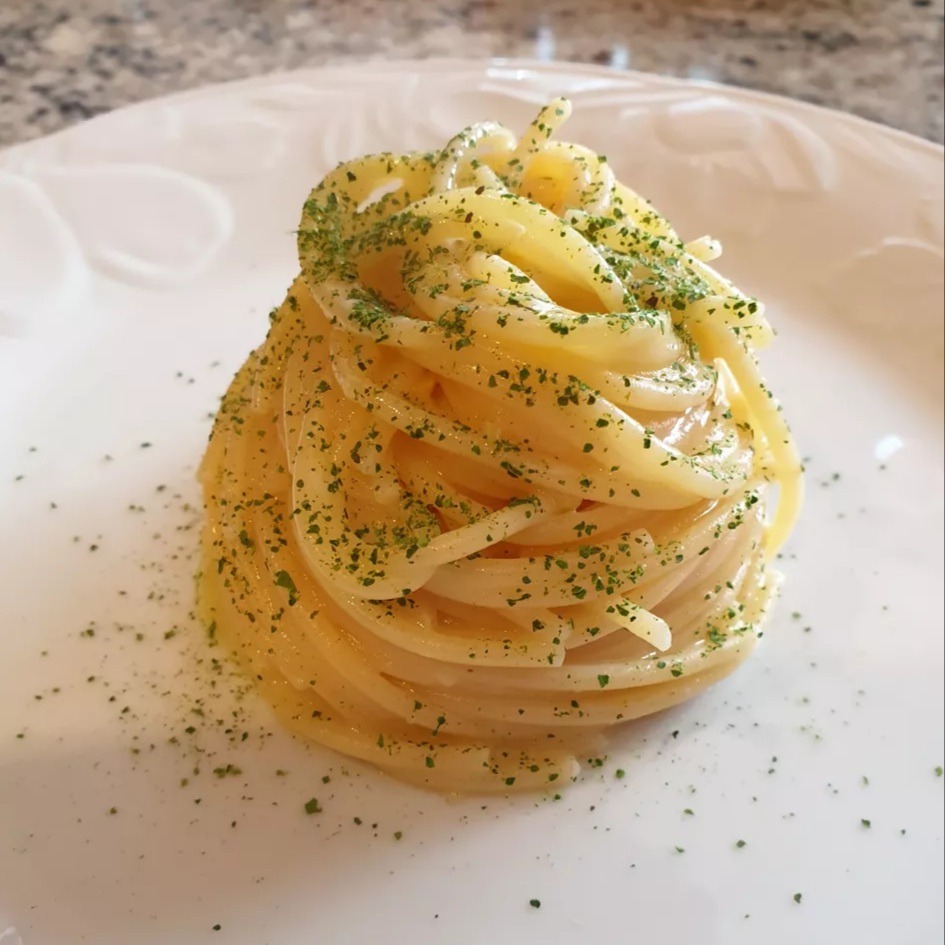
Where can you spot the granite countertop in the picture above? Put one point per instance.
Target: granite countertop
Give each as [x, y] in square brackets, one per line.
[63, 61]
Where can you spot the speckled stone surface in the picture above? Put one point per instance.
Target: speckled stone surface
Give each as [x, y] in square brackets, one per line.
[63, 61]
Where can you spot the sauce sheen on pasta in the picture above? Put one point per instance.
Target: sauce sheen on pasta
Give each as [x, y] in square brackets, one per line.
[501, 475]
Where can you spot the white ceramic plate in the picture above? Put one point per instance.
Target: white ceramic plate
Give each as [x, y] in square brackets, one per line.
[139, 255]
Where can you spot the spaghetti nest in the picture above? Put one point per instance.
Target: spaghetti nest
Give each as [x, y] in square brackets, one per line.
[496, 480]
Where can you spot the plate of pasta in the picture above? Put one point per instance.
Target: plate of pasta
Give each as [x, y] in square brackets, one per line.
[466, 502]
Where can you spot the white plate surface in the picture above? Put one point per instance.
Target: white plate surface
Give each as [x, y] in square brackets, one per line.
[139, 255]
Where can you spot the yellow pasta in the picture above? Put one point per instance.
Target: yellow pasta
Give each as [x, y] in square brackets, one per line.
[499, 477]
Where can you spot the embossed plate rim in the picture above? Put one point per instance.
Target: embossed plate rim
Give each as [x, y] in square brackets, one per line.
[446, 65]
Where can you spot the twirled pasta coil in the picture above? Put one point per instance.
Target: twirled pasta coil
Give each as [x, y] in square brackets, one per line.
[496, 480]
